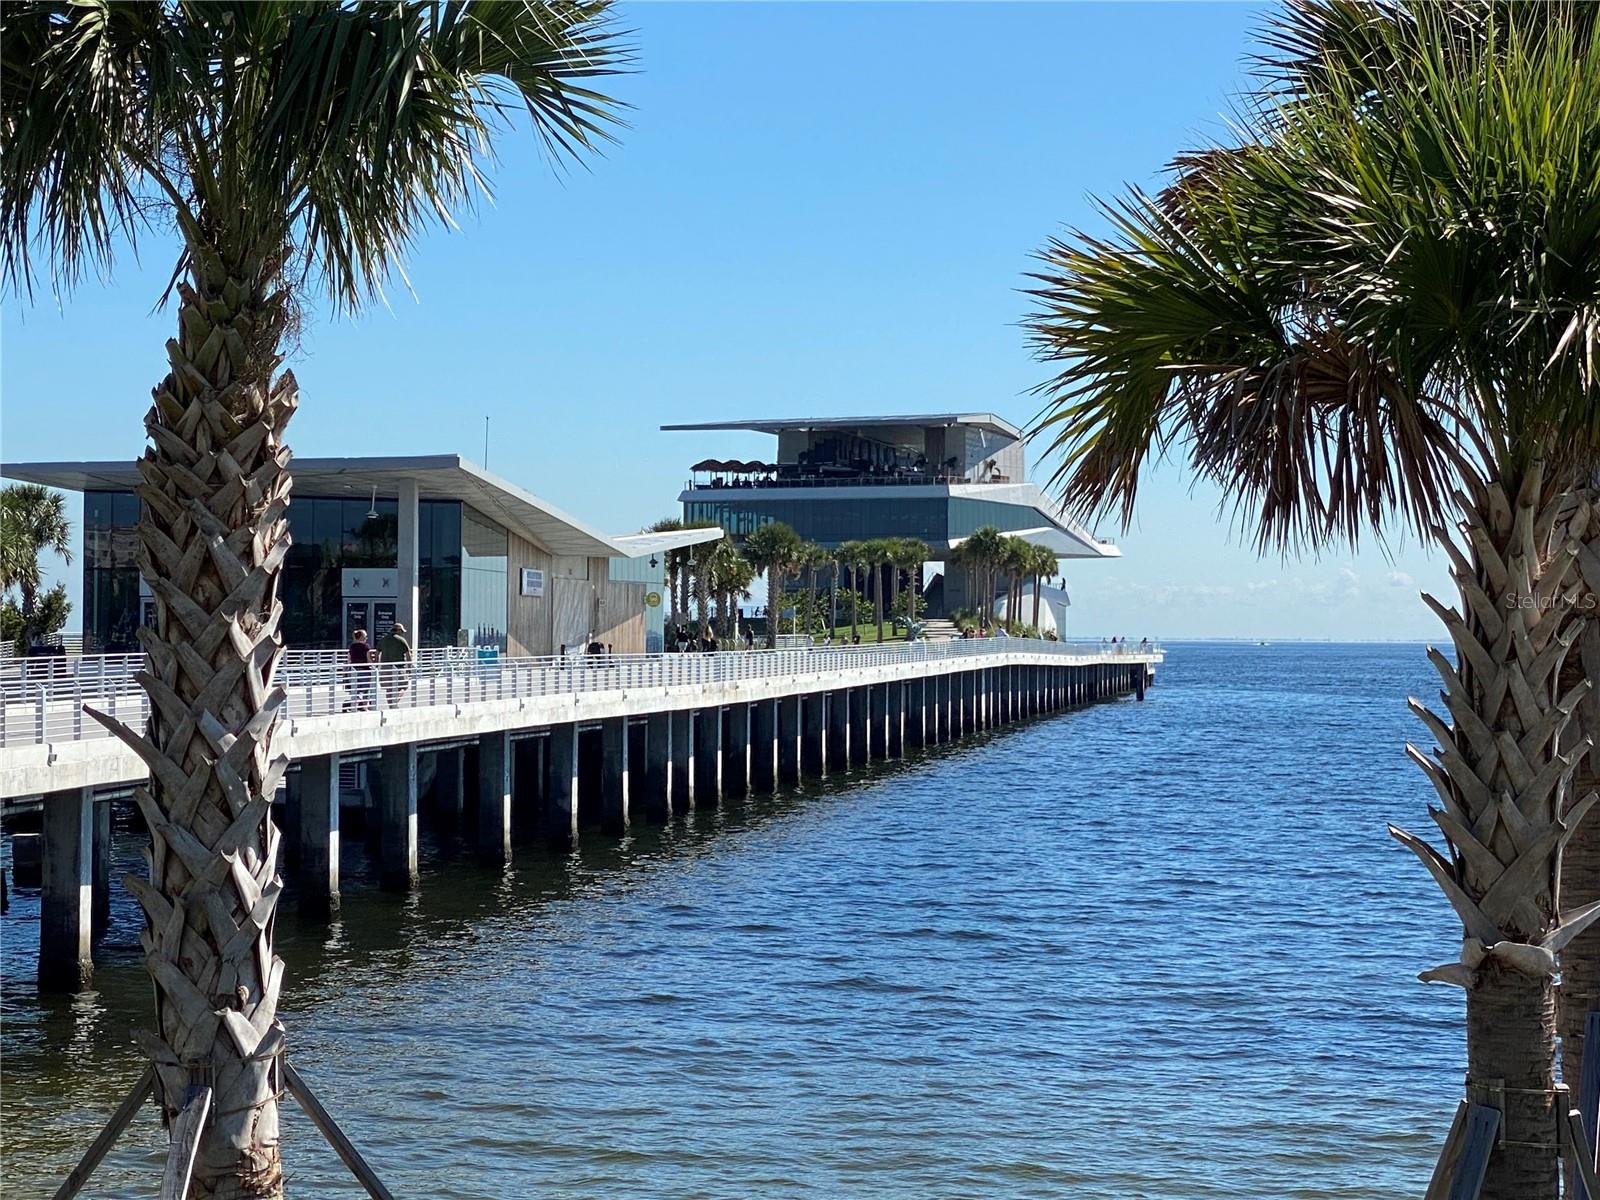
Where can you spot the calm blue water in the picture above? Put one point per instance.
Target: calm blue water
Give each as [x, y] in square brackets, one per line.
[1158, 950]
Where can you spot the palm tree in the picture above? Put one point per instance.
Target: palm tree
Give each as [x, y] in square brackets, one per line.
[814, 559]
[679, 563]
[1044, 566]
[1380, 309]
[879, 556]
[1016, 564]
[33, 519]
[294, 146]
[779, 551]
[981, 553]
[905, 554]
[854, 556]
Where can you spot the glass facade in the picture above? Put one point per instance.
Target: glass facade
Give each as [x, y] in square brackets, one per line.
[483, 579]
[328, 535]
[831, 521]
[826, 521]
[111, 608]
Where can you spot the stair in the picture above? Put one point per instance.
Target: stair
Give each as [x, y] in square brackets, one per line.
[938, 629]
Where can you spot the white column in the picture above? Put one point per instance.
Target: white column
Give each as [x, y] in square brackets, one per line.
[406, 610]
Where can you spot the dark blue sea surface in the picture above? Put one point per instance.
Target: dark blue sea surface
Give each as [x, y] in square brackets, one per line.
[1138, 950]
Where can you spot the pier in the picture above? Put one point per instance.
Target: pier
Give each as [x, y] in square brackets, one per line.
[519, 750]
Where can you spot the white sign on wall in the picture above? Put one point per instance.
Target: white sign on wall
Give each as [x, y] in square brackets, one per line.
[532, 582]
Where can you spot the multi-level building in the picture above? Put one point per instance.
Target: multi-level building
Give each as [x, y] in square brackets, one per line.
[938, 477]
[458, 556]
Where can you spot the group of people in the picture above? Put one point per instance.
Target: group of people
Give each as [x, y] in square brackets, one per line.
[393, 652]
[682, 640]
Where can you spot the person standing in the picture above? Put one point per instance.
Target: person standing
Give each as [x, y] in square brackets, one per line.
[360, 657]
[394, 659]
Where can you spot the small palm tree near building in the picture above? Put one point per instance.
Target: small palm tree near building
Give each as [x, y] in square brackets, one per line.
[1380, 310]
[33, 521]
[297, 148]
[780, 552]
[982, 554]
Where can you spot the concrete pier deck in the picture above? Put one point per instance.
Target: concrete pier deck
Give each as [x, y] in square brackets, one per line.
[550, 745]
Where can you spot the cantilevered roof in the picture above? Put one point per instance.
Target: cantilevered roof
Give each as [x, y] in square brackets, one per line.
[637, 545]
[437, 476]
[988, 422]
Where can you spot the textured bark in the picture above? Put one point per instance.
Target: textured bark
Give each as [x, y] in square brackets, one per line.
[1510, 1064]
[1579, 992]
[213, 536]
[1504, 785]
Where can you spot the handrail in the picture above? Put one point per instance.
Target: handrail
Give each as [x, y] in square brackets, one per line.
[45, 705]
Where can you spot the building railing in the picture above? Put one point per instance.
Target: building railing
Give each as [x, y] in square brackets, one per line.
[41, 700]
[914, 479]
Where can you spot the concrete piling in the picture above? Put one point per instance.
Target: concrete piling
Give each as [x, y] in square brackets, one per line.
[736, 751]
[495, 798]
[681, 771]
[707, 757]
[614, 774]
[837, 741]
[789, 734]
[318, 878]
[66, 903]
[764, 746]
[561, 784]
[656, 801]
[397, 833]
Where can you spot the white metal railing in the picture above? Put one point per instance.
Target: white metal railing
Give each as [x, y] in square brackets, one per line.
[41, 700]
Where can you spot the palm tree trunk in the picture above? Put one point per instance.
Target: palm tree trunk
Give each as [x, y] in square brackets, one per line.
[877, 597]
[773, 585]
[1504, 787]
[894, 591]
[213, 538]
[855, 601]
[1038, 581]
[1580, 863]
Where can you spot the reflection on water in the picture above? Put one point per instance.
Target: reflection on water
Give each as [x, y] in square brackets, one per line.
[1137, 950]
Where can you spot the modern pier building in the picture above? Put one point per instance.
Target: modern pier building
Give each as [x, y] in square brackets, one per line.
[938, 477]
[458, 556]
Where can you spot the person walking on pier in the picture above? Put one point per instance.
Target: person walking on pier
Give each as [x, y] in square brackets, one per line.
[360, 655]
[394, 658]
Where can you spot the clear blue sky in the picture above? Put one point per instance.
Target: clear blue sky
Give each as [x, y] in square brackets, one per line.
[817, 209]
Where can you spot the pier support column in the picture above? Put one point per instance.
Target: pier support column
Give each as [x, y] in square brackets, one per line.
[878, 720]
[860, 738]
[1141, 681]
[318, 879]
[614, 774]
[838, 739]
[789, 739]
[101, 850]
[449, 788]
[397, 832]
[764, 746]
[707, 757]
[896, 705]
[680, 788]
[656, 802]
[736, 751]
[561, 784]
[286, 815]
[916, 713]
[939, 716]
[968, 687]
[814, 741]
[66, 903]
[496, 784]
